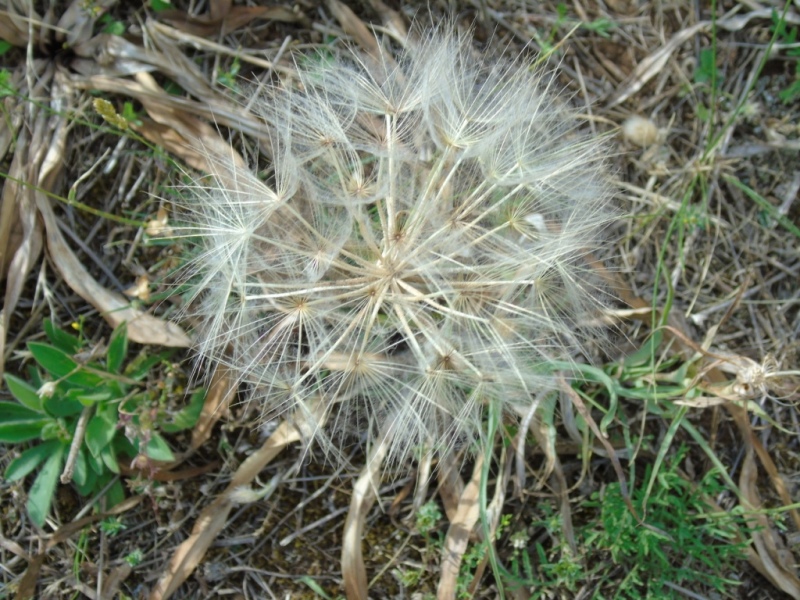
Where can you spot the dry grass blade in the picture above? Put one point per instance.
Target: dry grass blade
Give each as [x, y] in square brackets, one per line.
[354, 27]
[115, 308]
[653, 64]
[458, 534]
[213, 518]
[392, 20]
[493, 512]
[612, 454]
[230, 18]
[354, 572]
[18, 217]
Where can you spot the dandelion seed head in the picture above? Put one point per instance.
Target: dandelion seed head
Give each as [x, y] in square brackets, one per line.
[417, 252]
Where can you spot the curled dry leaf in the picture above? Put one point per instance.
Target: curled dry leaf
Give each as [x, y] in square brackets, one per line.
[140, 289]
[158, 226]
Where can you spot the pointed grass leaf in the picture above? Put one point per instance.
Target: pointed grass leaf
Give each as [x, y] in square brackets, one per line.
[158, 449]
[117, 349]
[62, 340]
[40, 496]
[24, 392]
[60, 364]
[31, 458]
[19, 423]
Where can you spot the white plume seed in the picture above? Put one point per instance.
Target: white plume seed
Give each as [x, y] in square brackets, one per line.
[640, 131]
[416, 254]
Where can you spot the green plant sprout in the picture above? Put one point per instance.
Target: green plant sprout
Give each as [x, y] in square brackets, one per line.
[699, 547]
[88, 408]
[788, 35]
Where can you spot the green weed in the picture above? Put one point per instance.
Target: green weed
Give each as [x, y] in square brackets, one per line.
[86, 408]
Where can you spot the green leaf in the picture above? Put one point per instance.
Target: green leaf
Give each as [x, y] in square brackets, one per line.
[89, 485]
[111, 25]
[110, 459]
[81, 473]
[19, 423]
[24, 392]
[140, 366]
[186, 418]
[29, 460]
[158, 449]
[90, 398]
[4, 47]
[61, 339]
[117, 349]
[99, 433]
[61, 365]
[40, 496]
[6, 86]
[96, 464]
[61, 406]
[160, 5]
[115, 494]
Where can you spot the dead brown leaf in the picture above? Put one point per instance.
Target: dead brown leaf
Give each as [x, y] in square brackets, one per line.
[451, 486]
[213, 518]
[776, 560]
[14, 20]
[78, 20]
[354, 27]
[354, 572]
[230, 18]
[458, 534]
[221, 391]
